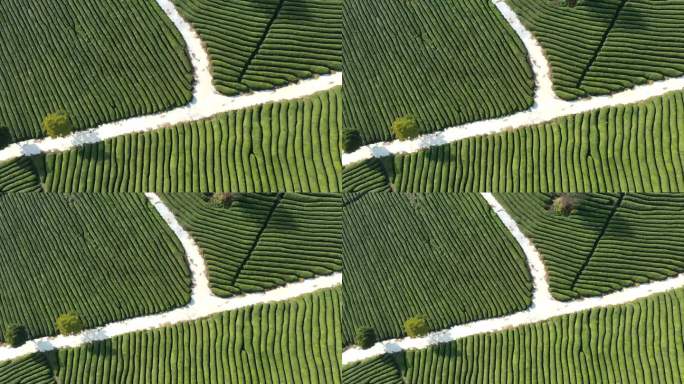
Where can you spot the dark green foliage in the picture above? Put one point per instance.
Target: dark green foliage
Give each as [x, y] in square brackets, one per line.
[416, 326]
[255, 45]
[57, 124]
[630, 148]
[19, 175]
[33, 369]
[288, 146]
[365, 337]
[351, 140]
[69, 323]
[405, 127]
[5, 137]
[101, 255]
[400, 249]
[445, 62]
[597, 47]
[636, 343]
[15, 335]
[609, 242]
[296, 341]
[101, 61]
[263, 241]
[378, 370]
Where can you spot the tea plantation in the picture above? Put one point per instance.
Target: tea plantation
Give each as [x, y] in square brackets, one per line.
[98, 61]
[94, 254]
[256, 45]
[443, 256]
[256, 242]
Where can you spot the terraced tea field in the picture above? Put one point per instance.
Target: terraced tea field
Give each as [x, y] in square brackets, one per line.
[284, 146]
[261, 45]
[445, 256]
[263, 241]
[32, 369]
[631, 148]
[295, 341]
[608, 243]
[601, 47]
[640, 342]
[98, 61]
[97, 255]
[443, 62]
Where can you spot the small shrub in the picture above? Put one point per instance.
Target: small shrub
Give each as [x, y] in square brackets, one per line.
[351, 140]
[416, 326]
[69, 323]
[57, 124]
[365, 337]
[15, 335]
[222, 200]
[565, 204]
[405, 127]
[5, 137]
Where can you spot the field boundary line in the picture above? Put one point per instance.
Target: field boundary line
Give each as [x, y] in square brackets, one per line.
[206, 101]
[547, 106]
[203, 302]
[540, 310]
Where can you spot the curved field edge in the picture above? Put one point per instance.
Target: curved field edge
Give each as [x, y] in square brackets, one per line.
[292, 145]
[443, 69]
[295, 341]
[255, 242]
[255, 46]
[638, 342]
[632, 148]
[455, 262]
[84, 248]
[131, 62]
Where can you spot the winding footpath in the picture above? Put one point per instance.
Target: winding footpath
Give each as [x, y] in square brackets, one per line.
[543, 307]
[206, 101]
[203, 302]
[547, 105]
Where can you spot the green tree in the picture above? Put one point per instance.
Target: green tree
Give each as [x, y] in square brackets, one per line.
[416, 326]
[565, 204]
[15, 335]
[57, 124]
[222, 199]
[69, 323]
[365, 337]
[405, 127]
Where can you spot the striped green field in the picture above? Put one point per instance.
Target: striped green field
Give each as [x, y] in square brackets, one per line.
[19, 175]
[256, 45]
[632, 148]
[291, 146]
[32, 369]
[639, 342]
[446, 256]
[446, 62]
[610, 242]
[263, 241]
[296, 341]
[378, 370]
[96, 254]
[99, 61]
[601, 47]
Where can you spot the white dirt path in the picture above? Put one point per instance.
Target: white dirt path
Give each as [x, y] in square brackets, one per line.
[206, 101]
[203, 302]
[547, 105]
[543, 308]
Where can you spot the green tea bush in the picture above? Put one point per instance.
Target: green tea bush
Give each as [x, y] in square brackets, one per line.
[351, 140]
[57, 124]
[405, 127]
[365, 337]
[69, 323]
[15, 335]
[416, 326]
